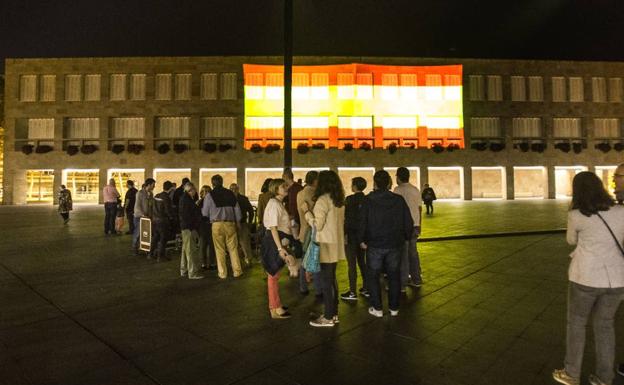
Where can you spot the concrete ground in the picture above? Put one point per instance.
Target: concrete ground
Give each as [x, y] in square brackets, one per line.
[77, 307]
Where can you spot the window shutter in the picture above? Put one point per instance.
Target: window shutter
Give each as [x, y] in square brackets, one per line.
[209, 86]
[183, 86]
[137, 86]
[93, 87]
[73, 88]
[518, 89]
[118, 87]
[28, 88]
[163, 87]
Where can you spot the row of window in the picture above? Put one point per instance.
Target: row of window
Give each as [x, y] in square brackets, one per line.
[126, 128]
[490, 127]
[531, 89]
[88, 87]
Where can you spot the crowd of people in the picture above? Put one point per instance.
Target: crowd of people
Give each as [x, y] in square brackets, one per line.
[377, 233]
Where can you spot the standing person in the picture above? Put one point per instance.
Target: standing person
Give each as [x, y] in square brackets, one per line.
[385, 225]
[206, 246]
[129, 200]
[307, 196]
[355, 254]
[190, 218]
[221, 207]
[142, 208]
[277, 222]
[178, 193]
[291, 200]
[65, 203]
[263, 200]
[428, 196]
[596, 275]
[327, 218]
[162, 217]
[410, 261]
[247, 218]
[120, 216]
[111, 195]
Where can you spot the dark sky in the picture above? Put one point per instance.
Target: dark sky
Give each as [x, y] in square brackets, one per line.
[540, 29]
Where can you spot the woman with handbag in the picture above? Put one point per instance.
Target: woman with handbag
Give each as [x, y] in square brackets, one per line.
[596, 275]
[327, 218]
[273, 254]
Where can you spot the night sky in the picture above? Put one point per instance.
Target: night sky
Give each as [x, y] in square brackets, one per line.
[530, 29]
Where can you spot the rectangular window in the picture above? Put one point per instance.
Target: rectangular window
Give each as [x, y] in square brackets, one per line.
[477, 90]
[173, 127]
[485, 128]
[40, 128]
[229, 86]
[301, 86]
[127, 128]
[345, 86]
[355, 126]
[82, 128]
[536, 89]
[518, 89]
[364, 86]
[527, 127]
[218, 127]
[433, 87]
[93, 87]
[599, 90]
[558, 89]
[409, 87]
[567, 127]
[73, 88]
[606, 128]
[320, 86]
[389, 86]
[400, 126]
[209, 86]
[48, 88]
[441, 122]
[274, 89]
[118, 87]
[163, 87]
[264, 127]
[452, 89]
[28, 88]
[183, 86]
[137, 86]
[310, 127]
[576, 89]
[495, 88]
[615, 90]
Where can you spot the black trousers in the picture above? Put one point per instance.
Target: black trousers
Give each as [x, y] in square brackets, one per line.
[388, 260]
[110, 212]
[130, 217]
[65, 215]
[429, 206]
[160, 237]
[330, 289]
[356, 257]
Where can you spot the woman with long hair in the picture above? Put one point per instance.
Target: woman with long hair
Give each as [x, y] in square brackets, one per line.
[274, 253]
[596, 275]
[327, 218]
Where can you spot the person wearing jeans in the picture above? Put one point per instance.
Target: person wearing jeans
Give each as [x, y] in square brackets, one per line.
[355, 254]
[385, 225]
[596, 275]
[410, 260]
[110, 195]
[129, 201]
[142, 208]
[306, 196]
[190, 218]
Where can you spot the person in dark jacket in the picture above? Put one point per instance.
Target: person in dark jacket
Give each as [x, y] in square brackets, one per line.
[162, 218]
[428, 196]
[385, 225]
[355, 254]
[175, 201]
[129, 200]
[247, 218]
[190, 219]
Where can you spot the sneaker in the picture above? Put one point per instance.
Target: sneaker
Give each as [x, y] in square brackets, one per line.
[561, 376]
[336, 320]
[322, 322]
[348, 296]
[377, 313]
[415, 284]
[197, 277]
[404, 291]
[394, 313]
[365, 293]
[183, 273]
[594, 380]
[620, 370]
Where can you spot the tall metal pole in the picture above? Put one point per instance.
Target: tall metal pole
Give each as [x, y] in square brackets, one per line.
[288, 60]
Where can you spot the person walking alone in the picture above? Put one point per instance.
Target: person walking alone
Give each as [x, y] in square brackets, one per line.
[428, 196]
[65, 203]
[596, 275]
[110, 195]
[327, 218]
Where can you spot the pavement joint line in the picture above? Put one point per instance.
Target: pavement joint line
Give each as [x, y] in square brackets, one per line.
[79, 324]
[492, 235]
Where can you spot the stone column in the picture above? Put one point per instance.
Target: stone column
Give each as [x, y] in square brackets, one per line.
[467, 170]
[103, 177]
[241, 180]
[509, 181]
[56, 185]
[195, 177]
[424, 176]
[550, 175]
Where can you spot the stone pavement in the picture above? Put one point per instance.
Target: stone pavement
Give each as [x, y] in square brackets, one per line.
[77, 307]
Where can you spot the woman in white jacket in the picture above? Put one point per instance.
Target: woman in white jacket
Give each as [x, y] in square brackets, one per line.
[328, 219]
[596, 275]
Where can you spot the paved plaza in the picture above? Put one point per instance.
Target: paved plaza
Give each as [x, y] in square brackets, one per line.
[77, 307]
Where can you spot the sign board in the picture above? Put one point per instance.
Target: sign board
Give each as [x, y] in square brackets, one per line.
[145, 234]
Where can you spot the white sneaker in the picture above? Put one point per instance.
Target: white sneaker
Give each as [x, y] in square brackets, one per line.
[183, 273]
[594, 380]
[394, 313]
[561, 376]
[197, 277]
[377, 313]
[322, 322]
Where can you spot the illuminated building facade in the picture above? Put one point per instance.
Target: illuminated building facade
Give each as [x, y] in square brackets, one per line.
[473, 129]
